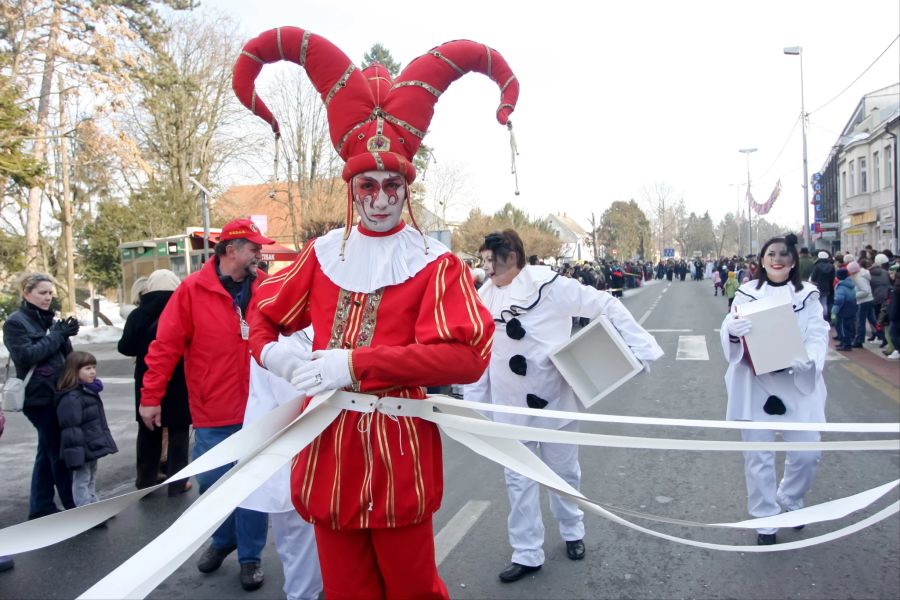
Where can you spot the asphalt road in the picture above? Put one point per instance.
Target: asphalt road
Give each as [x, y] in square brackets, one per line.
[620, 563]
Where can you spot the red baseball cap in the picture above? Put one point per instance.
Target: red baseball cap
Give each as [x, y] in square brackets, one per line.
[243, 229]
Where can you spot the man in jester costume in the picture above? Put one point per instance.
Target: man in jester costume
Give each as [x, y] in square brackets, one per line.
[393, 312]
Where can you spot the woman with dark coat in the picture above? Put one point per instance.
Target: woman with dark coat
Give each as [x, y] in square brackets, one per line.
[39, 344]
[138, 334]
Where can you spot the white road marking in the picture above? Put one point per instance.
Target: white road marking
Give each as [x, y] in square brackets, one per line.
[692, 347]
[457, 528]
[117, 380]
[652, 306]
[669, 330]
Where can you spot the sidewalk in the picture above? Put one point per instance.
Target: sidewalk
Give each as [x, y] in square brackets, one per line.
[872, 365]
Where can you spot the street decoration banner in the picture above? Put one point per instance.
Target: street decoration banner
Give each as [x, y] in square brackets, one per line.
[763, 209]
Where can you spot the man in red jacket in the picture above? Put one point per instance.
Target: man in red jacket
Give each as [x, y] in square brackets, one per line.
[205, 322]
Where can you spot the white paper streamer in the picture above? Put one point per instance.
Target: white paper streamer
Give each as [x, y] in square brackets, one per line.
[265, 446]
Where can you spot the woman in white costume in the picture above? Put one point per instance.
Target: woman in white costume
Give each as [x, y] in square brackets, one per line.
[533, 307]
[796, 394]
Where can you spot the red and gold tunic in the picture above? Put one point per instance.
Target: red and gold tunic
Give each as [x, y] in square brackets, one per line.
[370, 470]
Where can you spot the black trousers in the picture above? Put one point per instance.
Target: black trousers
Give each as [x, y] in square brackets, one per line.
[149, 452]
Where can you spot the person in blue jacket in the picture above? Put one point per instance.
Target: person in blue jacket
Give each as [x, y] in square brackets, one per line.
[844, 310]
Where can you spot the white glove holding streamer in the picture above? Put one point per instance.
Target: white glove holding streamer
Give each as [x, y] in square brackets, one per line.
[800, 365]
[284, 357]
[328, 370]
[737, 327]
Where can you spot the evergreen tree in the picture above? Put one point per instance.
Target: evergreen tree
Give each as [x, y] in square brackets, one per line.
[379, 54]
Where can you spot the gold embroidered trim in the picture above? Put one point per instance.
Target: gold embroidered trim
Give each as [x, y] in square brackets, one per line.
[378, 162]
[416, 132]
[303, 46]
[250, 56]
[352, 129]
[354, 323]
[437, 54]
[502, 106]
[390, 508]
[440, 286]
[506, 85]
[413, 437]
[368, 464]
[336, 487]
[253, 102]
[489, 74]
[341, 83]
[425, 86]
[278, 39]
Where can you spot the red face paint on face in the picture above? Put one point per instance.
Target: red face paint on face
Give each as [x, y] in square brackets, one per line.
[379, 198]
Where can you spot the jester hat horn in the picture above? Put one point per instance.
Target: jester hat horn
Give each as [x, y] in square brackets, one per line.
[375, 123]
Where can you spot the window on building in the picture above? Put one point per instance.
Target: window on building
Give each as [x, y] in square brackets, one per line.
[852, 178]
[863, 182]
[876, 176]
[888, 167]
[843, 185]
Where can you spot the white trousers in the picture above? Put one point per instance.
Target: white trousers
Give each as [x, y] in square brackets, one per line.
[764, 498]
[526, 525]
[295, 541]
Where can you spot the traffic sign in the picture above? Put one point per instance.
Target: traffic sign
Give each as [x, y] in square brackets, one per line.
[669, 252]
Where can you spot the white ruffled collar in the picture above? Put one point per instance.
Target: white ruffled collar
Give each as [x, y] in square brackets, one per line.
[374, 261]
[525, 285]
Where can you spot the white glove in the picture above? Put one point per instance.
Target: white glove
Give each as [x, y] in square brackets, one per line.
[800, 365]
[284, 357]
[737, 327]
[328, 370]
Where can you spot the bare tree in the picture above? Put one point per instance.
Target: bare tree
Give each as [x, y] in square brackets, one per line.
[445, 187]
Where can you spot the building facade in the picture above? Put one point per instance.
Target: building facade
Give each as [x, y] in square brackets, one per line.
[862, 172]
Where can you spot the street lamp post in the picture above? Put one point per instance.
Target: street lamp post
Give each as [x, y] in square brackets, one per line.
[737, 215]
[807, 236]
[747, 151]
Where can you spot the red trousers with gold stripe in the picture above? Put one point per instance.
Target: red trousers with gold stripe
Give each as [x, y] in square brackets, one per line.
[395, 563]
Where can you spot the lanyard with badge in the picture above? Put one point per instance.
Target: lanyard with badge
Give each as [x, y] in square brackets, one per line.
[236, 302]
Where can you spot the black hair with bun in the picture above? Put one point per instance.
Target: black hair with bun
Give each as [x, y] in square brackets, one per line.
[790, 240]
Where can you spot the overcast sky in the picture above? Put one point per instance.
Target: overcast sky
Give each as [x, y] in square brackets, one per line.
[616, 97]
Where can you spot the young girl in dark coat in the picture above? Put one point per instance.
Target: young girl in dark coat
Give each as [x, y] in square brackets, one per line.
[85, 432]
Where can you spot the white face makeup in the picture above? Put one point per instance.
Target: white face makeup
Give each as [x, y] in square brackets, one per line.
[778, 262]
[379, 197]
[500, 271]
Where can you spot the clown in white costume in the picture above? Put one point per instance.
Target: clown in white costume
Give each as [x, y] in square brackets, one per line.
[295, 539]
[796, 394]
[535, 306]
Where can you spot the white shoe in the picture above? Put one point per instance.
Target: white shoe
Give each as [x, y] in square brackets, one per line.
[895, 355]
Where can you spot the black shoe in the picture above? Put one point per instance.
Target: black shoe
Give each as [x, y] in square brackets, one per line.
[515, 572]
[844, 348]
[6, 563]
[213, 557]
[857, 345]
[883, 344]
[38, 515]
[251, 576]
[765, 539]
[575, 550]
